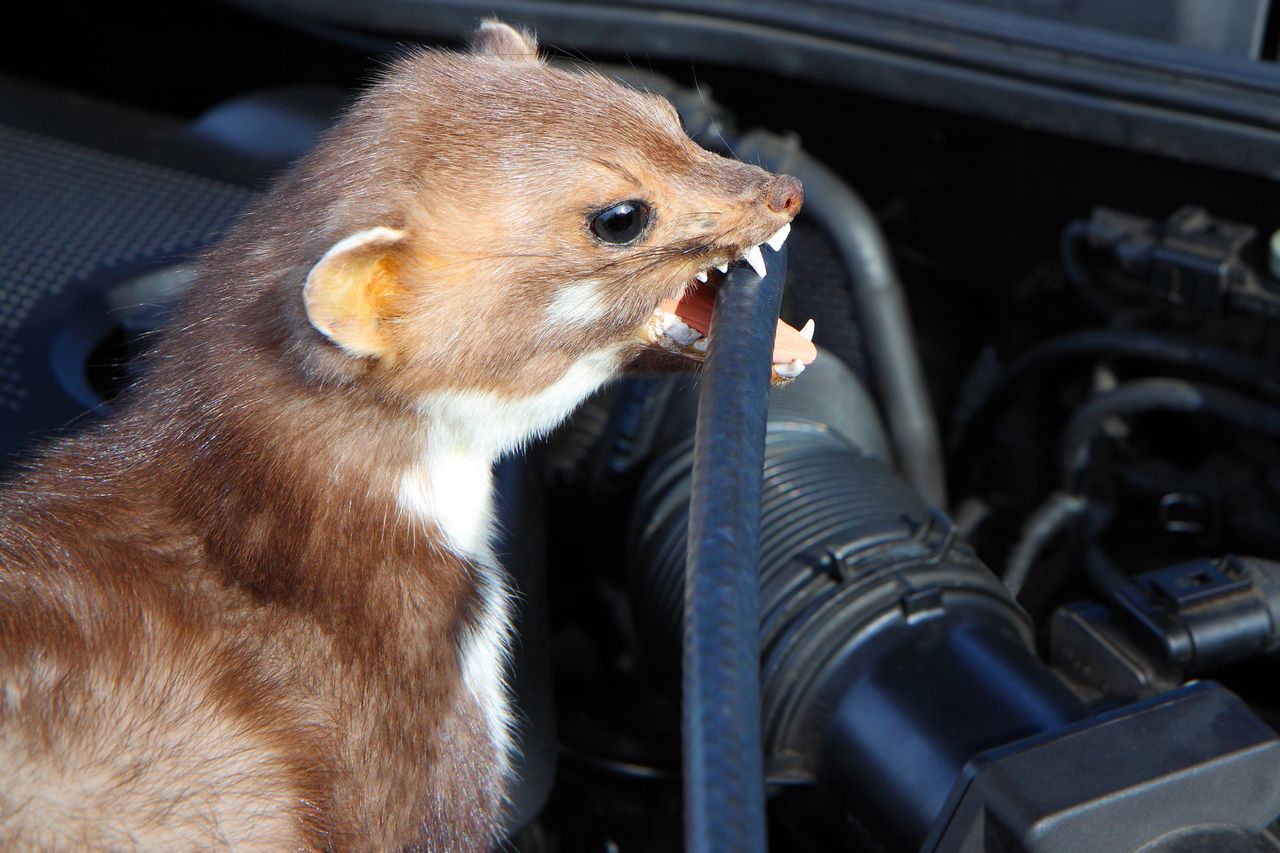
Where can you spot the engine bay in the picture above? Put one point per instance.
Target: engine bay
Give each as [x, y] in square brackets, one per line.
[1020, 545]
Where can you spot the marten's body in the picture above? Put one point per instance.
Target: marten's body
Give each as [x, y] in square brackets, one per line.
[258, 607]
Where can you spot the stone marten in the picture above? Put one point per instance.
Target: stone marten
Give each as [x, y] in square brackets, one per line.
[257, 607]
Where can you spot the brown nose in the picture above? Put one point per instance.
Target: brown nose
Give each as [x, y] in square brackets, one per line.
[786, 195]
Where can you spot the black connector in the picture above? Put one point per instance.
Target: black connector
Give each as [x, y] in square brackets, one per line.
[1197, 616]
[1193, 260]
[1170, 624]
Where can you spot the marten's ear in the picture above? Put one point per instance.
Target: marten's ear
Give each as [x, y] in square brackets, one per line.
[495, 38]
[349, 291]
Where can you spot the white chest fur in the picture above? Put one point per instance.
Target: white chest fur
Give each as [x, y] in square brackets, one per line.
[451, 489]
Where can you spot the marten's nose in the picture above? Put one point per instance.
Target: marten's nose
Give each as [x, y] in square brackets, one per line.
[786, 195]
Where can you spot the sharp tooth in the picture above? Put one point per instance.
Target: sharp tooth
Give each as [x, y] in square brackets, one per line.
[806, 331]
[701, 344]
[681, 333]
[723, 267]
[789, 370]
[779, 237]
[702, 276]
[755, 259]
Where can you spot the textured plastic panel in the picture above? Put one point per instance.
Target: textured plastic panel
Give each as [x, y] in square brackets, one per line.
[72, 218]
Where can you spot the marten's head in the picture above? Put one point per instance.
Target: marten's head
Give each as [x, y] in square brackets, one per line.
[487, 222]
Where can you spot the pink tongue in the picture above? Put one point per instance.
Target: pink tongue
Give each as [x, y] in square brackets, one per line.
[696, 307]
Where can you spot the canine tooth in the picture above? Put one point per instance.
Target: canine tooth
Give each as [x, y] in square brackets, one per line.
[779, 237]
[723, 267]
[701, 344]
[755, 259]
[702, 276]
[806, 331]
[789, 370]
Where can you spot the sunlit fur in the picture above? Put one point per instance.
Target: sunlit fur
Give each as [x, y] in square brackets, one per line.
[258, 608]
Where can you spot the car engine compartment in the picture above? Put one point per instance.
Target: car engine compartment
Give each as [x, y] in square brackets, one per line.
[1019, 574]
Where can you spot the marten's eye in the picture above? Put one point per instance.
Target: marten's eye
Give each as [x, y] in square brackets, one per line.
[622, 223]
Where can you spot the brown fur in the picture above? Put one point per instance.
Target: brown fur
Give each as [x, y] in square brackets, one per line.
[218, 627]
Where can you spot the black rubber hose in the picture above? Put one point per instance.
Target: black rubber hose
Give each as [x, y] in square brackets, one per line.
[723, 754]
[1061, 353]
[1105, 576]
[1149, 395]
[882, 306]
[1074, 239]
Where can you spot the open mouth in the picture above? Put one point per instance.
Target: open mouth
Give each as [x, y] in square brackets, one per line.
[683, 324]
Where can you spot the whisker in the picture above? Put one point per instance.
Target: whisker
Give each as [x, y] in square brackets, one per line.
[563, 48]
[715, 126]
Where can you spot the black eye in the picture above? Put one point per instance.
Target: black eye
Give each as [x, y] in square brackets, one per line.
[622, 223]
